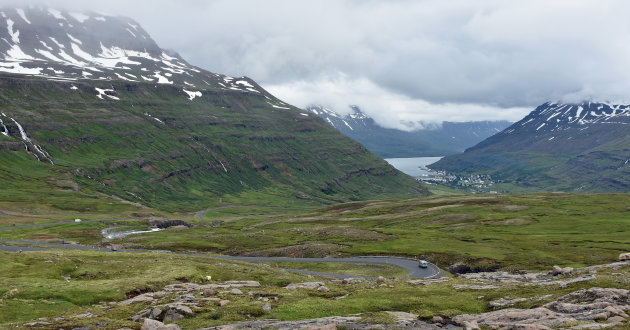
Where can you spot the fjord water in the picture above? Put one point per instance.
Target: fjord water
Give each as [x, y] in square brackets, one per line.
[414, 166]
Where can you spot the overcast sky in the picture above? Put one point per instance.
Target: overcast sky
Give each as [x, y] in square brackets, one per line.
[401, 60]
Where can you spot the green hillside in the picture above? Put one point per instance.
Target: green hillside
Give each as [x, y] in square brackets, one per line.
[149, 143]
[557, 147]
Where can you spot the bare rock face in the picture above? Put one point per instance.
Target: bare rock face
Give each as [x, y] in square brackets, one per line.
[176, 312]
[305, 285]
[146, 297]
[236, 291]
[157, 325]
[489, 279]
[624, 257]
[232, 284]
[155, 313]
[209, 292]
[505, 302]
[165, 313]
[351, 280]
[599, 306]
[512, 318]
[323, 289]
[429, 281]
[557, 270]
[401, 321]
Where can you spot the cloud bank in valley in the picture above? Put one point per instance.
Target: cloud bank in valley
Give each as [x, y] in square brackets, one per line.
[401, 60]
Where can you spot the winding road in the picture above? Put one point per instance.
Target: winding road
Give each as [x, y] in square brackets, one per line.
[411, 265]
[432, 271]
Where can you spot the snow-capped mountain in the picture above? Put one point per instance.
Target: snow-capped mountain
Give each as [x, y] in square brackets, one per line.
[63, 45]
[582, 146]
[356, 118]
[572, 127]
[557, 117]
[92, 105]
[433, 140]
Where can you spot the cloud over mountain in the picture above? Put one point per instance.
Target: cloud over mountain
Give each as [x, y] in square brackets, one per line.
[414, 57]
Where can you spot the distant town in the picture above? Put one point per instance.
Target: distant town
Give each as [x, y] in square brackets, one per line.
[474, 183]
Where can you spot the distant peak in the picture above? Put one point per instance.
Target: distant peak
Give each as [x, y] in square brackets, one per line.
[321, 110]
[357, 113]
[557, 116]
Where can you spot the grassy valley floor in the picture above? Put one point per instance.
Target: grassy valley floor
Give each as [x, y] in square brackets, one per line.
[531, 231]
[465, 232]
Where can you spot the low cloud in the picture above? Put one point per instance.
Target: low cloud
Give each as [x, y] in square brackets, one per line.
[389, 109]
[401, 59]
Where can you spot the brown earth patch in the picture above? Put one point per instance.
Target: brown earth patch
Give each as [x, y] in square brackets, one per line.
[461, 199]
[45, 237]
[460, 226]
[348, 233]
[520, 221]
[453, 219]
[64, 185]
[136, 292]
[314, 250]
[513, 208]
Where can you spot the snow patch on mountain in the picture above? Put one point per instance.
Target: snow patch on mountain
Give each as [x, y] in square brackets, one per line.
[192, 95]
[154, 118]
[161, 79]
[558, 116]
[56, 14]
[5, 130]
[75, 53]
[79, 17]
[65, 46]
[277, 106]
[27, 141]
[23, 15]
[354, 118]
[15, 35]
[19, 69]
[106, 92]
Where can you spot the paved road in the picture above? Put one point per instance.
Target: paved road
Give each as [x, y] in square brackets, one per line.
[432, 271]
[60, 223]
[411, 265]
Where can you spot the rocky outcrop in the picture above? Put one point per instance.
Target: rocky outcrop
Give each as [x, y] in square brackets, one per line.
[163, 224]
[505, 302]
[595, 307]
[557, 270]
[165, 313]
[429, 281]
[186, 288]
[157, 325]
[305, 285]
[185, 298]
[591, 308]
[557, 276]
[401, 321]
[624, 257]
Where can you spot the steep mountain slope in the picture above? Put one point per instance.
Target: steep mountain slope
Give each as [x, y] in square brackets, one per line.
[575, 147]
[90, 104]
[437, 140]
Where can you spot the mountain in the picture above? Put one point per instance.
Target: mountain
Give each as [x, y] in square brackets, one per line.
[434, 140]
[93, 107]
[570, 147]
